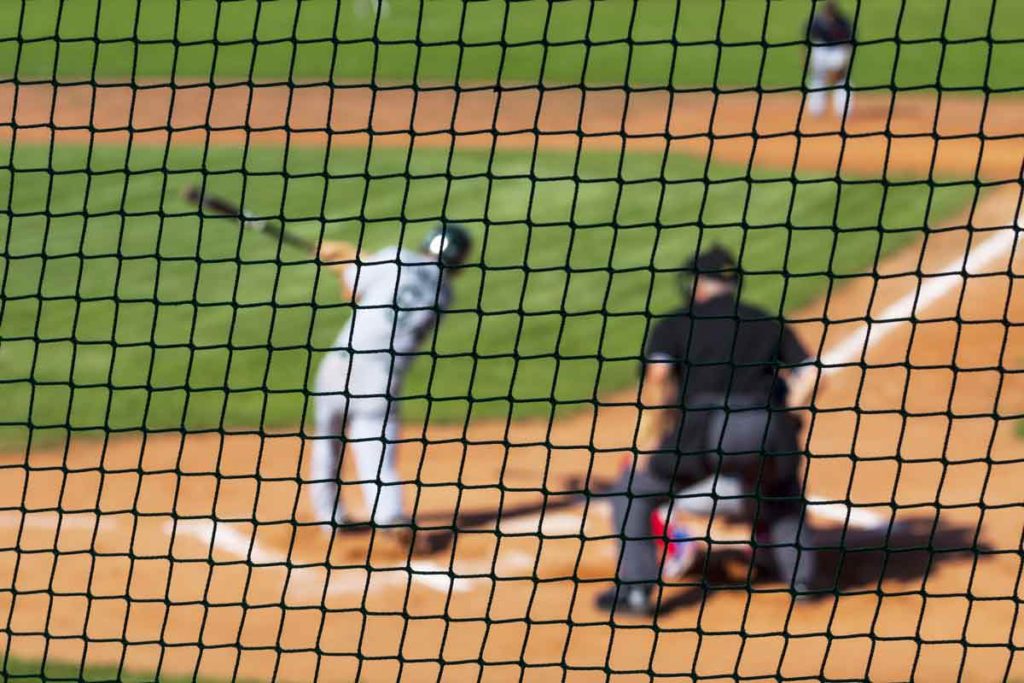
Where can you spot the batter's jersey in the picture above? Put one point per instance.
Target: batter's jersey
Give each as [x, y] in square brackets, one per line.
[398, 295]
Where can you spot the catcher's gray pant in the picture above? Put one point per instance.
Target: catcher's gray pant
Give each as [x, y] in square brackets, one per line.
[365, 419]
[740, 436]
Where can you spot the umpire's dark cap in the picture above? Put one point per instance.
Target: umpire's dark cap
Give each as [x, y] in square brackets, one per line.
[716, 263]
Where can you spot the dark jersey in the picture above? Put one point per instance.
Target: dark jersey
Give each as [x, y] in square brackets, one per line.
[722, 348]
[829, 29]
[724, 354]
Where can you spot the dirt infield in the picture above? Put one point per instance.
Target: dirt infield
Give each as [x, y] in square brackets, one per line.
[910, 134]
[921, 437]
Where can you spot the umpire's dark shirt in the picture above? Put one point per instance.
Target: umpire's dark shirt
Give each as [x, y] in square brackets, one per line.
[723, 353]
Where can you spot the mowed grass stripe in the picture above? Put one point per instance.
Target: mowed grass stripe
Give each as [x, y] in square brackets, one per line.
[29, 671]
[123, 310]
[692, 43]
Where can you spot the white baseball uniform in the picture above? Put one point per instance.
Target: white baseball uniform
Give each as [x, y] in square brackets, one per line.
[831, 40]
[397, 297]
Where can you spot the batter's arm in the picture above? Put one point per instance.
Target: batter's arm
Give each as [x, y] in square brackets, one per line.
[657, 391]
[337, 256]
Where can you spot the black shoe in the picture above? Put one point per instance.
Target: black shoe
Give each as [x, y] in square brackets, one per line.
[627, 600]
[350, 526]
[394, 533]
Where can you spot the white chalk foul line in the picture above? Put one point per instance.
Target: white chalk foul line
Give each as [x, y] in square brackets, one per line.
[229, 542]
[50, 520]
[443, 579]
[933, 287]
[223, 539]
[952, 276]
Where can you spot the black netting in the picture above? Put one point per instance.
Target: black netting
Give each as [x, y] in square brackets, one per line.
[480, 340]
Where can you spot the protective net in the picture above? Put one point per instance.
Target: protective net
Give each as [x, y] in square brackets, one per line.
[474, 340]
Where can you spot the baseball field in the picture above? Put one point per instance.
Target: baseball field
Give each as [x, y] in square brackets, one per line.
[157, 364]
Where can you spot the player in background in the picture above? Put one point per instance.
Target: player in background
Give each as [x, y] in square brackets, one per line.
[830, 36]
[398, 295]
[714, 407]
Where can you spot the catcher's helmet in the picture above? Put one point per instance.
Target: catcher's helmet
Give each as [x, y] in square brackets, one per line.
[449, 242]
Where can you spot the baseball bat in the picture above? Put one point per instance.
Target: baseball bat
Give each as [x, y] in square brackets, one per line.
[219, 206]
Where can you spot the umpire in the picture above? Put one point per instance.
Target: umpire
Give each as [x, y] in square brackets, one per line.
[716, 374]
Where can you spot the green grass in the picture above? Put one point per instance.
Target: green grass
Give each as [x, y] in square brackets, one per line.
[24, 671]
[693, 43]
[123, 311]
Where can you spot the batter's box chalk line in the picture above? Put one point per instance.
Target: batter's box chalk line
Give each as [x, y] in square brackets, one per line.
[48, 519]
[234, 541]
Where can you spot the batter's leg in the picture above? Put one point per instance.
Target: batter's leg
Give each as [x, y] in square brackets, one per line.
[328, 445]
[372, 436]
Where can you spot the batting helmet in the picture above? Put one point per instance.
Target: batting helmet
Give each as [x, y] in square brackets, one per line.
[449, 242]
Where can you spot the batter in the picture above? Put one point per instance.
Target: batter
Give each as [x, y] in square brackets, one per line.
[398, 295]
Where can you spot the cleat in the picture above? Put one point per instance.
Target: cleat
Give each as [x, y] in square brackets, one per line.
[351, 526]
[400, 535]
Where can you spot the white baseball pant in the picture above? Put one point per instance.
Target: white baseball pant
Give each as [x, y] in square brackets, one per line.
[364, 419]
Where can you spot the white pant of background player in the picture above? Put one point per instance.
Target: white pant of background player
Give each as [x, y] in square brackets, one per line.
[825, 60]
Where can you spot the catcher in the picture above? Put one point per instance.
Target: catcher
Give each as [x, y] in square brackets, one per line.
[831, 39]
[715, 375]
[398, 295]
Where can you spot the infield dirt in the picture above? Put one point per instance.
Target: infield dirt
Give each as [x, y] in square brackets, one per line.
[914, 426]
